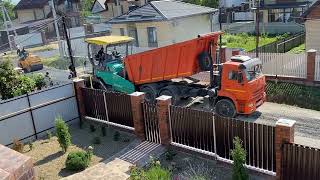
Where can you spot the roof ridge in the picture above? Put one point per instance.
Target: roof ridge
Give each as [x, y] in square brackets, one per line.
[158, 9]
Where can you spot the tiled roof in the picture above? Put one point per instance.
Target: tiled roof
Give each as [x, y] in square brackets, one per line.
[162, 10]
[30, 4]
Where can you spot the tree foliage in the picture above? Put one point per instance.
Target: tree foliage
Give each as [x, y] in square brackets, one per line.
[86, 7]
[9, 6]
[239, 159]
[64, 137]
[12, 83]
[208, 3]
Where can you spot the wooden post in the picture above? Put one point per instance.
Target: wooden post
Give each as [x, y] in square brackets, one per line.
[311, 64]
[163, 105]
[284, 133]
[137, 112]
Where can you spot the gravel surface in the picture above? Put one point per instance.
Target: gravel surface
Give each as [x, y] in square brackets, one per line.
[49, 160]
[185, 166]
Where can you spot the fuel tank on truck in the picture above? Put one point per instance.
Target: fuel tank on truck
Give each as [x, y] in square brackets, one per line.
[169, 62]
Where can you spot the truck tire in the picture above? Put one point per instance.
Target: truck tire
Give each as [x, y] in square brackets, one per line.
[150, 94]
[225, 108]
[173, 92]
[205, 61]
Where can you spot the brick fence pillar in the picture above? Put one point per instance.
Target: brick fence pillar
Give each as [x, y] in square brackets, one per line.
[284, 133]
[163, 103]
[78, 84]
[311, 64]
[223, 54]
[137, 112]
[235, 52]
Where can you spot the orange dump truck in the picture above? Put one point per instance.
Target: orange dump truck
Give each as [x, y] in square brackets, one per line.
[236, 87]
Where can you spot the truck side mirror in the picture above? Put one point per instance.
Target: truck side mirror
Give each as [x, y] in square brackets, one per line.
[240, 77]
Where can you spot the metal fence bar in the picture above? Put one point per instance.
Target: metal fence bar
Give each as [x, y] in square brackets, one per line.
[317, 68]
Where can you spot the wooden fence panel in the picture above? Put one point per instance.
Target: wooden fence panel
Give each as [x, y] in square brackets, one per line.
[192, 128]
[300, 162]
[257, 139]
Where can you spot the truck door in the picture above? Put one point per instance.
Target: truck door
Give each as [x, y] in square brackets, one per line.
[233, 83]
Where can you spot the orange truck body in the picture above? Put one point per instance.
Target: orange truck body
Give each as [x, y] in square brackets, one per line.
[169, 62]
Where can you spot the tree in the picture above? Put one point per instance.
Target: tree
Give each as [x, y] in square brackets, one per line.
[9, 6]
[86, 7]
[208, 3]
[239, 159]
[64, 137]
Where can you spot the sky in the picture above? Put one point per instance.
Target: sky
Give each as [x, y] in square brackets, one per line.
[15, 1]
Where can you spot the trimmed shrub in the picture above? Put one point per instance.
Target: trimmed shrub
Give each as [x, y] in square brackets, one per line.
[92, 128]
[78, 160]
[49, 135]
[103, 131]
[64, 137]
[239, 159]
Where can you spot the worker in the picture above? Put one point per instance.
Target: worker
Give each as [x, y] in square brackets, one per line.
[101, 56]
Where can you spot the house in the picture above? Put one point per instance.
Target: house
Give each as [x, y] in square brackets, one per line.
[312, 26]
[281, 10]
[161, 23]
[35, 10]
[108, 9]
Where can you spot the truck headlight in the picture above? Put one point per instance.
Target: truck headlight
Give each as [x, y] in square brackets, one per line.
[250, 105]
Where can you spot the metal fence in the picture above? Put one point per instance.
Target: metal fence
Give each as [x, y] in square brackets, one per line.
[31, 115]
[108, 107]
[282, 45]
[300, 162]
[213, 135]
[192, 128]
[317, 68]
[257, 140]
[151, 122]
[283, 64]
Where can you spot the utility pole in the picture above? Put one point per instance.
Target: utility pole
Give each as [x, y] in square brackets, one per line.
[71, 67]
[6, 23]
[54, 14]
[257, 27]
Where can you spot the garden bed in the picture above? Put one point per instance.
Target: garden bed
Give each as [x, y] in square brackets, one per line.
[192, 166]
[49, 160]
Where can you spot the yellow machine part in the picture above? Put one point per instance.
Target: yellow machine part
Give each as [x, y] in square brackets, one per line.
[31, 63]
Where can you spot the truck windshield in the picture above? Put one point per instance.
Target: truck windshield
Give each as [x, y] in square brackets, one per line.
[253, 72]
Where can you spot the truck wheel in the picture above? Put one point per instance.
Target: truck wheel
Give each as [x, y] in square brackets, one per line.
[27, 69]
[225, 108]
[150, 94]
[205, 61]
[173, 92]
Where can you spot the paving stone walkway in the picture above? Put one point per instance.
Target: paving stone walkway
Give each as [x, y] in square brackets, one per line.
[117, 167]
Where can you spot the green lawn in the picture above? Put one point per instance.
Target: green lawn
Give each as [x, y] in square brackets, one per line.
[245, 41]
[64, 63]
[293, 94]
[298, 50]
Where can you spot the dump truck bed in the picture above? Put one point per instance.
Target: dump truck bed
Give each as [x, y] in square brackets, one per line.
[173, 61]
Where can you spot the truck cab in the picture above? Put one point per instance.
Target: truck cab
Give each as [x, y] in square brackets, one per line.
[242, 86]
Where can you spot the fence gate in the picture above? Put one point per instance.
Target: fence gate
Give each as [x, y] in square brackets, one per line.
[151, 122]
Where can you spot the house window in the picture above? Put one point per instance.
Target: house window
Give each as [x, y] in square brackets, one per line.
[122, 31]
[152, 37]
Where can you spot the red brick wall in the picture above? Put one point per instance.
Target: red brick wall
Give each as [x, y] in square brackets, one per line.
[14, 165]
[315, 13]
